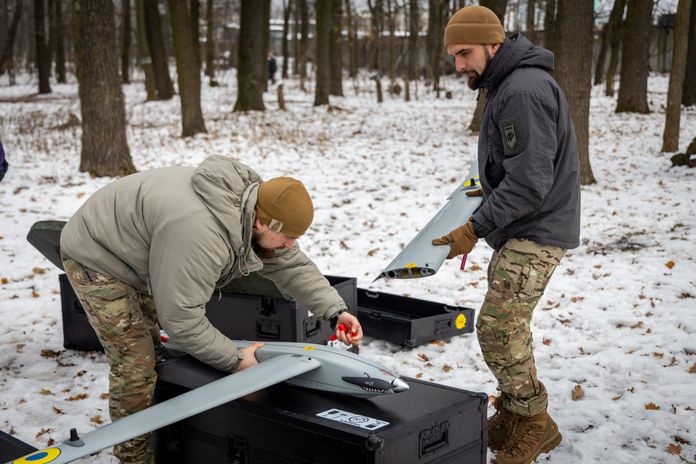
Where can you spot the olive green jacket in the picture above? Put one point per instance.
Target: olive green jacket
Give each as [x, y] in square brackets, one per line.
[181, 232]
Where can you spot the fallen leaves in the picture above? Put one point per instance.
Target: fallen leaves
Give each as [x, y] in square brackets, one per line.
[4, 281]
[96, 419]
[79, 397]
[692, 369]
[49, 354]
[45, 392]
[652, 407]
[446, 367]
[577, 393]
[674, 449]
[424, 357]
[43, 432]
[670, 264]
[58, 410]
[372, 251]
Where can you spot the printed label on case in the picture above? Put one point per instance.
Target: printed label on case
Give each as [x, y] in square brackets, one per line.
[353, 419]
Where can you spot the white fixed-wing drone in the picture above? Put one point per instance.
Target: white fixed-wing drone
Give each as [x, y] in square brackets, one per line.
[306, 365]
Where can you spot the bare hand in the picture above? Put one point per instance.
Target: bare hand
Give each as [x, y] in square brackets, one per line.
[352, 331]
[249, 354]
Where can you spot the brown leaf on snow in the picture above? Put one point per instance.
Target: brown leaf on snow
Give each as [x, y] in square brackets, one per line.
[652, 407]
[681, 441]
[50, 354]
[96, 419]
[577, 393]
[34, 293]
[50, 442]
[674, 449]
[372, 251]
[44, 431]
[692, 369]
[58, 410]
[637, 325]
[45, 391]
[4, 281]
[674, 362]
[438, 342]
[547, 341]
[419, 375]
[79, 397]
[38, 270]
[657, 354]
[446, 367]
[20, 347]
[105, 396]
[618, 397]
[670, 264]
[424, 357]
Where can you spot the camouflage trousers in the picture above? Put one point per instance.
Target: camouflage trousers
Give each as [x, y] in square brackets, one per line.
[126, 324]
[517, 277]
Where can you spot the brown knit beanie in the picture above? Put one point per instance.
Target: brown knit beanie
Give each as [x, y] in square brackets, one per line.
[285, 206]
[474, 25]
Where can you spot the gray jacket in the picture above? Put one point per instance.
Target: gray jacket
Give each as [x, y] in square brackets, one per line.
[528, 157]
[182, 232]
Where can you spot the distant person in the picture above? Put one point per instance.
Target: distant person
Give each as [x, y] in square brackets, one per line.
[272, 67]
[152, 248]
[3, 163]
[530, 215]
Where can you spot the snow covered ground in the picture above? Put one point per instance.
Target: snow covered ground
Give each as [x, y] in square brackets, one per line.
[617, 320]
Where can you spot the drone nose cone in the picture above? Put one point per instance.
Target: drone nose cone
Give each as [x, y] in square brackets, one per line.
[399, 385]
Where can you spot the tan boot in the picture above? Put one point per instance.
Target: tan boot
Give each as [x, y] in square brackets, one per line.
[500, 425]
[530, 437]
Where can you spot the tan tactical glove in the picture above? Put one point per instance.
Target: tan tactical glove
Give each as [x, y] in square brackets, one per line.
[462, 240]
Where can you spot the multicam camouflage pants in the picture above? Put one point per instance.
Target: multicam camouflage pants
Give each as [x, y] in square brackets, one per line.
[517, 277]
[126, 324]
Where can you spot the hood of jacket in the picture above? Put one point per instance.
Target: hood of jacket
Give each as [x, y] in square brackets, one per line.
[229, 189]
[515, 52]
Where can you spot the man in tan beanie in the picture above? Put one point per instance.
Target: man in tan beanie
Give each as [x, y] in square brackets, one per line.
[152, 247]
[530, 215]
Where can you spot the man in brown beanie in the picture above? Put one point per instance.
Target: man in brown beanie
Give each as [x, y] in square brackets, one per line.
[530, 215]
[149, 250]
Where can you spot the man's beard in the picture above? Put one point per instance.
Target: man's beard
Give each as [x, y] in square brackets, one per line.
[474, 79]
[261, 252]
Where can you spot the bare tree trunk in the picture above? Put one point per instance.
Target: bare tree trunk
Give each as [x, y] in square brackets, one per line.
[336, 49]
[252, 61]
[281, 97]
[352, 41]
[287, 8]
[633, 92]
[43, 54]
[51, 34]
[498, 7]
[689, 95]
[414, 32]
[573, 71]
[377, 15]
[614, 31]
[188, 70]
[210, 41]
[104, 143]
[670, 138]
[323, 74]
[195, 18]
[531, 20]
[60, 42]
[549, 24]
[602, 57]
[144, 51]
[436, 23]
[157, 50]
[391, 44]
[266, 40]
[6, 54]
[304, 41]
[125, 41]
[295, 38]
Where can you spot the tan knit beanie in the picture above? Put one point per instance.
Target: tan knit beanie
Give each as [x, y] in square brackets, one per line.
[474, 25]
[285, 206]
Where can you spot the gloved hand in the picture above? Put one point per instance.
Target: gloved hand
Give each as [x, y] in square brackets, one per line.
[462, 240]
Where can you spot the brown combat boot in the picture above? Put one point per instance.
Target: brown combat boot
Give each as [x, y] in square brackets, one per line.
[530, 437]
[500, 425]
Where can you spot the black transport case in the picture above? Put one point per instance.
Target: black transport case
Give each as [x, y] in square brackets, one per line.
[409, 321]
[429, 423]
[11, 448]
[240, 317]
